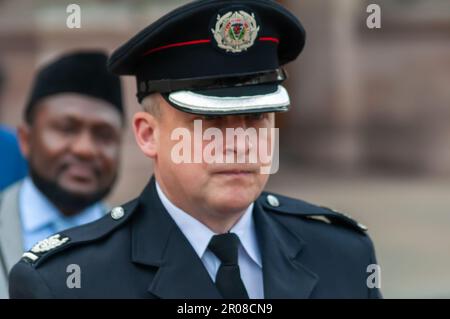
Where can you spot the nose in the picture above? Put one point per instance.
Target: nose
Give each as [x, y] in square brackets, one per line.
[83, 145]
[239, 137]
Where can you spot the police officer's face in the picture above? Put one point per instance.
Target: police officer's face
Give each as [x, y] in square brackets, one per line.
[218, 188]
[74, 141]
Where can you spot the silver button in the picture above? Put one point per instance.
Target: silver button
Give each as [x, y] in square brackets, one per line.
[273, 201]
[117, 213]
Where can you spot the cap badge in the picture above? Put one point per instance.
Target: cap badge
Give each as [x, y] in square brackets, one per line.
[236, 31]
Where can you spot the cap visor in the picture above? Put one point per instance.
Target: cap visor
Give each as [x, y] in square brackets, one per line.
[236, 100]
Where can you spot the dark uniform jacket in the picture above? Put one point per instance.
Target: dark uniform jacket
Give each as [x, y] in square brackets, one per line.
[139, 252]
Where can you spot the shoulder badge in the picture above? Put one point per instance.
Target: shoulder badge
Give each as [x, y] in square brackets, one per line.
[285, 205]
[339, 217]
[360, 226]
[72, 237]
[45, 246]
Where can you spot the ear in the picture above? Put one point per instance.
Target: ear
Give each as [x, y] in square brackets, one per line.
[146, 133]
[24, 136]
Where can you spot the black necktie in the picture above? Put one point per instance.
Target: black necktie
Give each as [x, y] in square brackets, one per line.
[228, 278]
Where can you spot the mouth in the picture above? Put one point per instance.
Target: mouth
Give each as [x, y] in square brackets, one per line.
[80, 173]
[236, 172]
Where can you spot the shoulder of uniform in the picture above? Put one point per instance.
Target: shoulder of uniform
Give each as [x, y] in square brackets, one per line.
[73, 237]
[290, 206]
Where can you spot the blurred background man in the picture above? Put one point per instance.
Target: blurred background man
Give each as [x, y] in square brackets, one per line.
[71, 138]
[13, 166]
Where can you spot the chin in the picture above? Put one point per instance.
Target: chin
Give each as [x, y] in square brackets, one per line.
[233, 202]
[79, 191]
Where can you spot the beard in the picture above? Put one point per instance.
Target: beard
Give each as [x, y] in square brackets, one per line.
[65, 200]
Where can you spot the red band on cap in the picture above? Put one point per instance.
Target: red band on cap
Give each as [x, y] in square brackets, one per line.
[182, 44]
[269, 39]
[179, 44]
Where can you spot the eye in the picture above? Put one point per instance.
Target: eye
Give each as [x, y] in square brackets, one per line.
[66, 127]
[105, 134]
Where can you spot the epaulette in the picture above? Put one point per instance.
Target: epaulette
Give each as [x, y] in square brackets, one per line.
[285, 205]
[81, 234]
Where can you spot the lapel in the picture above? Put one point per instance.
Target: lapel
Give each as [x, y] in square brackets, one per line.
[157, 241]
[11, 242]
[284, 275]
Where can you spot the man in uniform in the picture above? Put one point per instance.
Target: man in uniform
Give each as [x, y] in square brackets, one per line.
[206, 229]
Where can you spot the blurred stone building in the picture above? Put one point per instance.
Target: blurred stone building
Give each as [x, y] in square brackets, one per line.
[373, 100]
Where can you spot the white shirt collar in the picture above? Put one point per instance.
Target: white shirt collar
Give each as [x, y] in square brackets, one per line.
[199, 235]
[38, 212]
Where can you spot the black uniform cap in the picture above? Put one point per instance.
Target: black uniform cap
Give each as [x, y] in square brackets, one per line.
[215, 56]
[82, 72]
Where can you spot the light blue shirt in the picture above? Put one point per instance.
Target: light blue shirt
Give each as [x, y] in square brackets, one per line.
[41, 219]
[199, 236]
